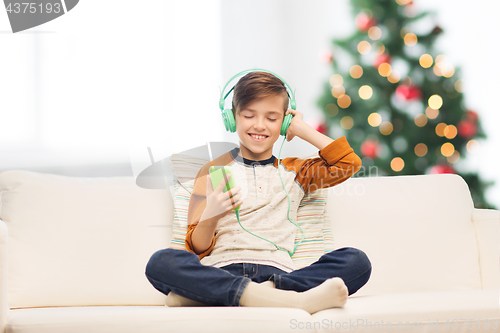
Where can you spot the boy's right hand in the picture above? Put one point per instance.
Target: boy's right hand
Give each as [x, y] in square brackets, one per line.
[220, 203]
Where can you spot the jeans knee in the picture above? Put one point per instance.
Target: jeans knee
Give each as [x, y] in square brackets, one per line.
[359, 259]
[161, 262]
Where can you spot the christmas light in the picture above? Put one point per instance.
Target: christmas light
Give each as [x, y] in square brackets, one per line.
[410, 39]
[338, 91]
[425, 60]
[420, 120]
[441, 60]
[386, 128]
[346, 122]
[397, 164]
[384, 69]
[403, 2]
[336, 80]
[374, 119]
[447, 149]
[421, 149]
[440, 129]
[450, 131]
[332, 109]
[435, 102]
[374, 33]
[472, 145]
[364, 47]
[458, 85]
[356, 71]
[365, 92]
[344, 101]
[431, 113]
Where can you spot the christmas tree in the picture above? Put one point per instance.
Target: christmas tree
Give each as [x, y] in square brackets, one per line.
[398, 100]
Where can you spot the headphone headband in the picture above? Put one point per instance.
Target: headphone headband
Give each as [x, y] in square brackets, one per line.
[223, 98]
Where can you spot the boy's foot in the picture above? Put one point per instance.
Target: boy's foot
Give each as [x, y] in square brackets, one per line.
[178, 300]
[330, 294]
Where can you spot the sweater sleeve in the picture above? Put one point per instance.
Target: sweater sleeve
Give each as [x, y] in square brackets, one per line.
[197, 204]
[336, 164]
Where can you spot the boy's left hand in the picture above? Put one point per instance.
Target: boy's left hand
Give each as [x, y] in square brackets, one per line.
[296, 126]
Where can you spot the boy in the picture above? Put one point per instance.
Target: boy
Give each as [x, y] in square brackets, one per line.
[224, 264]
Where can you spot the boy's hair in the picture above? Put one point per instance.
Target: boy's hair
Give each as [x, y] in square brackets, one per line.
[256, 85]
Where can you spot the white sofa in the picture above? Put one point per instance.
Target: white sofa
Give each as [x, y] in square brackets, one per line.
[73, 252]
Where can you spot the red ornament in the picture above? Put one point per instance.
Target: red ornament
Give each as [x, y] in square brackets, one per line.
[467, 129]
[365, 22]
[370, 149]
[322, 128]
[384, 57]
[408, 92]
[442, 168]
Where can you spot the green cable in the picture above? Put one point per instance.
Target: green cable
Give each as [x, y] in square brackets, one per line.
[288, 214]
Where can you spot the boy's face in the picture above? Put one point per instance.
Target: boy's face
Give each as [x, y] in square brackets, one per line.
[263, 117]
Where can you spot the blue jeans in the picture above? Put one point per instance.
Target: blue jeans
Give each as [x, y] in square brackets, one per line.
[180, 271]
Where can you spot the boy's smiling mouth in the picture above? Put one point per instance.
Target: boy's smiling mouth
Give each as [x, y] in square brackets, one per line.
[258, 137]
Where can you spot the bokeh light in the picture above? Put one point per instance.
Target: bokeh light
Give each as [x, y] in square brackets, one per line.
[431, 113]
[346, 122]
[420, 120]
[344, 101]
[410, 39]
[447, 149]
[421, 149]
[374, 33]
[394, 77]
[403, 2]
[338, 91]
[435, 102]
[450, 131]
[336, 80]
[440, 129]
[397, 164]
[356, 71]
[384, 69]
[472, 145]
[458, 85]
[374, 119]
[426, 60]
[364, 47]
[379, 47]
[365, 92]
[386, 128]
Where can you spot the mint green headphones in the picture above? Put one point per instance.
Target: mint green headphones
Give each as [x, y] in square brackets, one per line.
[227, 114]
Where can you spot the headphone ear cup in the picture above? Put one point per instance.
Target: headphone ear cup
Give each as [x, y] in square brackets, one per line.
[228, 119]
[286, 123]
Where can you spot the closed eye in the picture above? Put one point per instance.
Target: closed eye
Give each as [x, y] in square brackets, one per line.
[269, 118]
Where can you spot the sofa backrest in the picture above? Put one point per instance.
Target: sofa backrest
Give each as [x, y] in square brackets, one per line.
[81, 241]
[416, 230]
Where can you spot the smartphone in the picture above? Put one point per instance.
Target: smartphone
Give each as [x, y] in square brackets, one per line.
[217, 174]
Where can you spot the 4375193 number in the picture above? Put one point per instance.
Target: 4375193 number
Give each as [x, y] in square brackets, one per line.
[34, 8]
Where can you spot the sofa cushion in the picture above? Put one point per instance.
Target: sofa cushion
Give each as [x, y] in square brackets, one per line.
[311, 214]
[417, 231]
[155, 319]
[81, 241]
[431, 311]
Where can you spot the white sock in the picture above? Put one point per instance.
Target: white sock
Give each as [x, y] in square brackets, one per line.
[178, 300]
[331, 293]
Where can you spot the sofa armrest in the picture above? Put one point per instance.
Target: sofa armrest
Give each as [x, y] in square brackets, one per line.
[4, 292]
[487, 226]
